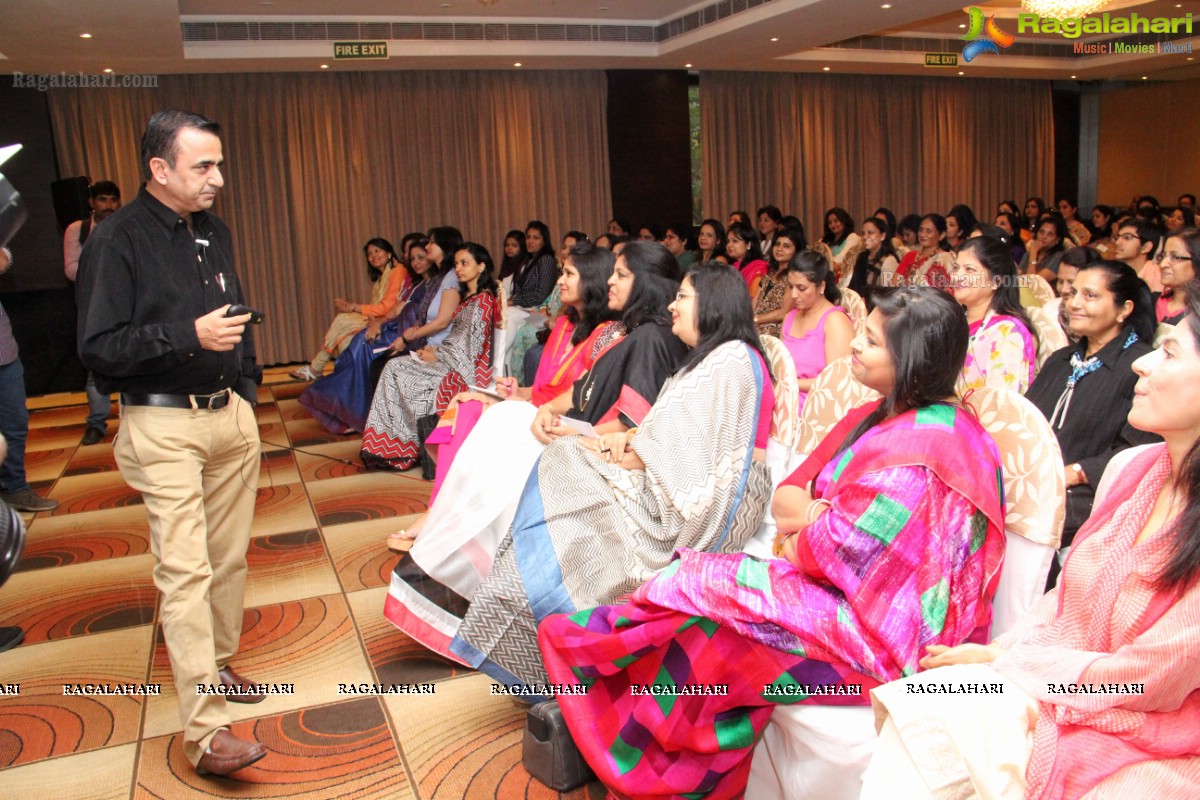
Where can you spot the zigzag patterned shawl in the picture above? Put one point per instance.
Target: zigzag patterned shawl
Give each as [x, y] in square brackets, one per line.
[587, 532]
[409, 390]
[912, 549]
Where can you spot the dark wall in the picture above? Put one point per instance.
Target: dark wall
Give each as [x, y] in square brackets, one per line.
[648, 146]
[1066, 145]
[39, 300]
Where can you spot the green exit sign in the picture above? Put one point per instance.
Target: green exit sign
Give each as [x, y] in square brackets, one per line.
[360, 50]
[941, 59]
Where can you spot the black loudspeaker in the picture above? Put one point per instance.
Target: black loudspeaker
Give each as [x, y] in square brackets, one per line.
[12, 540]
[71, 197]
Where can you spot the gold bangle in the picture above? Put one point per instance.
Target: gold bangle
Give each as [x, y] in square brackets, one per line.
[780, 540]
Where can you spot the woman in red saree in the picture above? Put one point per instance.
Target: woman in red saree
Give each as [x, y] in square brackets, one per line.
[899, 546]
[585, 329]
[1101, 692]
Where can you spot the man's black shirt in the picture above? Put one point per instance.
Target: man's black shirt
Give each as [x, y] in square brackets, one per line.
[144, 279]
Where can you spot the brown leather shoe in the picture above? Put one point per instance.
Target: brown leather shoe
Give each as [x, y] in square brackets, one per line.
[232, 679]
[226, 753]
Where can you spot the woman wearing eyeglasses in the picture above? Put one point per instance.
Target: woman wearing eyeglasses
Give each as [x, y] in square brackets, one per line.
[1178, 268]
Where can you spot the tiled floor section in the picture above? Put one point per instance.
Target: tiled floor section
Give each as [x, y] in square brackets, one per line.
[314, 600]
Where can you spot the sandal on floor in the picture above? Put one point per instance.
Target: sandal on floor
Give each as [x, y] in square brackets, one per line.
[400, 541]
[305, 373]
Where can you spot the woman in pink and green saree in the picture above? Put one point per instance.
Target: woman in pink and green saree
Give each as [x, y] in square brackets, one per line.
[897, 546]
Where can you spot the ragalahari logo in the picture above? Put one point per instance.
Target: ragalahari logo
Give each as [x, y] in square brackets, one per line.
[984, 37]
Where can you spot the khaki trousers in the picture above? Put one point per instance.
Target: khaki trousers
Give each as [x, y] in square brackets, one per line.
[197, 471]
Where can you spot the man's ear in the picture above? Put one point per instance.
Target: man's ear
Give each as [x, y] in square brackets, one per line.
[158, 170]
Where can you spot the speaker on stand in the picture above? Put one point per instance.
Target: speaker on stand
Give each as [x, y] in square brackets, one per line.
[71, 197]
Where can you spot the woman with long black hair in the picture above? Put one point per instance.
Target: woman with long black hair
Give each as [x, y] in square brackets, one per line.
[411, 388]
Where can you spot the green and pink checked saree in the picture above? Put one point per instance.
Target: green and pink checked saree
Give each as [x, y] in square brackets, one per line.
[909, 555]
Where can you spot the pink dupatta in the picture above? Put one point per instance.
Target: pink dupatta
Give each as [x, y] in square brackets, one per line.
[1108, 623]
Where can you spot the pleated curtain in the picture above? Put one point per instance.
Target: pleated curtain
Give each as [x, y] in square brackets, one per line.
[811, 142]
[315, 165]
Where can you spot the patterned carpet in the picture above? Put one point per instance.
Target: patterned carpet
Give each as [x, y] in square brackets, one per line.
[314, 599]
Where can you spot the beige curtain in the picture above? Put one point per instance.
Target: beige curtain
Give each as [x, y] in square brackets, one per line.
[318, 164]
[811, 142]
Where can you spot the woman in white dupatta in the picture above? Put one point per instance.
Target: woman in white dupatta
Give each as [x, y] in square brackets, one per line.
[455, 545]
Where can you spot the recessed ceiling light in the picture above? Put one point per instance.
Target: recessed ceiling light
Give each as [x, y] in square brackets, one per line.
[961, 73]
[962, 25]
[324, 66]
[517, 64]
[1072, 77]
[1145, 78]
[1189, 58]
[85, 36]
[774, 38]
[108, 71]
[825, 69]
[687, 66]
[886, 5]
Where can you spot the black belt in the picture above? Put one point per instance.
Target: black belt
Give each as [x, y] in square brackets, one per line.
[207, 402]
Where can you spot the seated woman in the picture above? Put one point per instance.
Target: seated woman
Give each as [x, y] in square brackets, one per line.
[1068, 208]
[340, 401]
[534, 330]
[599, 517]
[1051, 239]
[1002, 349]
[586, 328]
[960, 221]
[1122, 621]
[515, 256]
[411, 388]
[773, 300]
[877, 262]
[438, 319]
[432, 584]
[530, 286]
[392, 281]
[1085, 389]
[841, 241]
[1178, 267]
[741, 243]
[928, 264]
[1034, 208]
[898, 547]
[678, 237]
[817, 330]
[908, 232]
[1102, 222]
[711, 240]
[1177, 218]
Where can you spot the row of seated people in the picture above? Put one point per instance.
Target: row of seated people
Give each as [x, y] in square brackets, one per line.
[816, 331]
[809, 324]
[481, 577]
[1117, 304]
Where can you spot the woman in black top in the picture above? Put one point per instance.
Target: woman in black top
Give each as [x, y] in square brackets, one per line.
[1086, 389]
[533, 282]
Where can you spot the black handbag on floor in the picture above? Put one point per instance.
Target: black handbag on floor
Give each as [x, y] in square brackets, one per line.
[425, 426]
[549, 753]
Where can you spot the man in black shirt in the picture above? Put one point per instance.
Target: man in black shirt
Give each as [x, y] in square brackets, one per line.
[154, 284]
